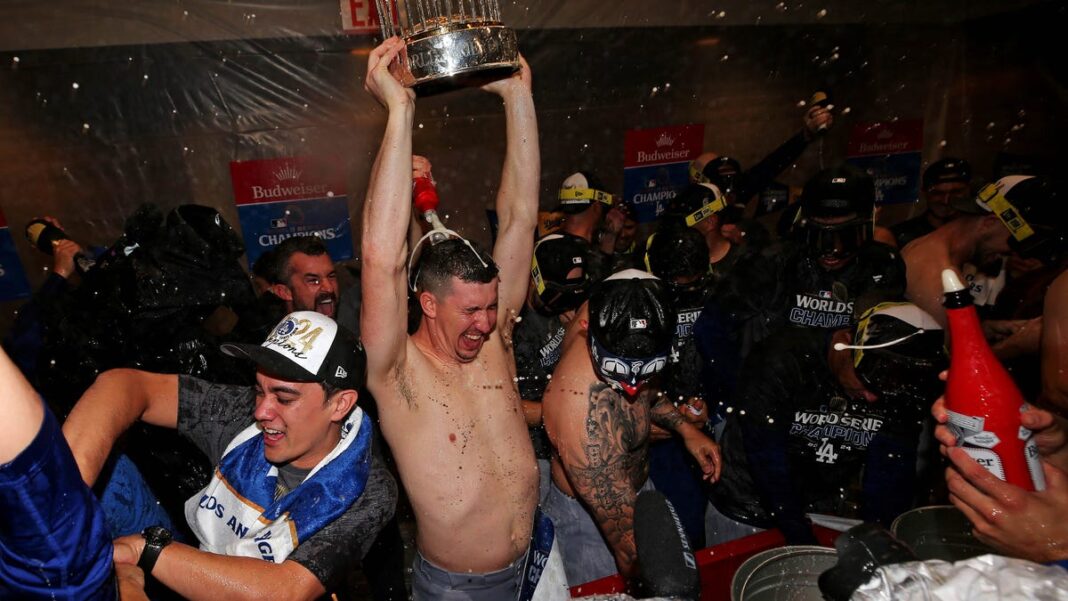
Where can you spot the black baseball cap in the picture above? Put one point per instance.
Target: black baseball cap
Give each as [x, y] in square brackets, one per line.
[631, 315]
[675, 251]
[946, 171]
[838, 192]
[556, 256]
[697, 202]
[307, 347]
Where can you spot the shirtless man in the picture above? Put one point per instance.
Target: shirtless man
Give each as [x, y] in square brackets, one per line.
[1020, 213]
[598, 412]
[446, 394]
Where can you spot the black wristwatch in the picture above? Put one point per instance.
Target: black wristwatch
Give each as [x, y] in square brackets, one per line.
[156, 537]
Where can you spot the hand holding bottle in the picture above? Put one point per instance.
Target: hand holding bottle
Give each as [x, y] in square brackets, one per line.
[982, 402]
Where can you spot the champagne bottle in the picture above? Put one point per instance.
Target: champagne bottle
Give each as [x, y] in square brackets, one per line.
[983, 402]
[44, 236]
[425, 201]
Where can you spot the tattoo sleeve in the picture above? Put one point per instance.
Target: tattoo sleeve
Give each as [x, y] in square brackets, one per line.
[606, 476]
[665, 414]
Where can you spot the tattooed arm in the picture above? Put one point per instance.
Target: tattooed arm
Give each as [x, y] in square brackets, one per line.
[606, 464]
[704, 450]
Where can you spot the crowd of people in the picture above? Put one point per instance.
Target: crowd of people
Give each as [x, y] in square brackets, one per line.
[524, 395]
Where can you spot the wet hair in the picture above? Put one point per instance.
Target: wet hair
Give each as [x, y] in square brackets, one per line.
[280, 271]
[453, 258]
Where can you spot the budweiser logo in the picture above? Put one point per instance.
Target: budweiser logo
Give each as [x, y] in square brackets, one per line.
[287, 173]
[664, 140]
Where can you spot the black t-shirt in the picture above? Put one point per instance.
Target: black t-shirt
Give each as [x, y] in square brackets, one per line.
[537, 343]
[791, 289]
[212, 414]
[682, 377]
[791, 421]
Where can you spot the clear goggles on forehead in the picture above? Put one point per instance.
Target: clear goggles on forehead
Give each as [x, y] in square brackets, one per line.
[435, 235]
[624, 373]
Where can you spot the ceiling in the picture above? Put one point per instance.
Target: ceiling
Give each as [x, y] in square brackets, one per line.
[33, 24]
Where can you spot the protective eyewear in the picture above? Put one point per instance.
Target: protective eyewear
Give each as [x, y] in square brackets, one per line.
[624, 373]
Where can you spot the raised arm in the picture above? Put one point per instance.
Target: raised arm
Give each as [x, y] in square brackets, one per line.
[387, 213]
[116, 400]
[517, 199]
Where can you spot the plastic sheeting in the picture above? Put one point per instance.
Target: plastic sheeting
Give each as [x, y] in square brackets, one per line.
[983, 578]
[104, 106]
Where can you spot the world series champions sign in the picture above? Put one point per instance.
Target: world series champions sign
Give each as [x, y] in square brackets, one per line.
[656, 166]
[297, 196]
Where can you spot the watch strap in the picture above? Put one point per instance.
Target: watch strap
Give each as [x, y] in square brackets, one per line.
[148, 558]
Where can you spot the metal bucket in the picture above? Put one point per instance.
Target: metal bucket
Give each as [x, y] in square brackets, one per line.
[784, 573]
[938, 532]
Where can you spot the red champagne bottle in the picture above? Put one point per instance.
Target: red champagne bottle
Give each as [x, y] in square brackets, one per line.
[425, 201]
[984, 403]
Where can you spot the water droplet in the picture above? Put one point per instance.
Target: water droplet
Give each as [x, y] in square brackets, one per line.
[724, 58]
[420, 126]
[781, 7]
[85, 127]
[721, 14]
[75, 85]
[822, 13]
[942, 144]
[15, 60]
[847, 110]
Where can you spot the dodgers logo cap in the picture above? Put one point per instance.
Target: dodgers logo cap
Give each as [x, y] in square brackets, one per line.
[307, 347]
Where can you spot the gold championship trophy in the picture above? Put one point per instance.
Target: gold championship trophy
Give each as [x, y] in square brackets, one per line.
[449, 43]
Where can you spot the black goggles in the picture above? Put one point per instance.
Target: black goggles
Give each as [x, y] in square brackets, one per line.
[839, 240]
[625, 373]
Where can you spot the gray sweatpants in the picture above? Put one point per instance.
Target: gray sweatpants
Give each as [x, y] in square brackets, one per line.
[431, 583]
